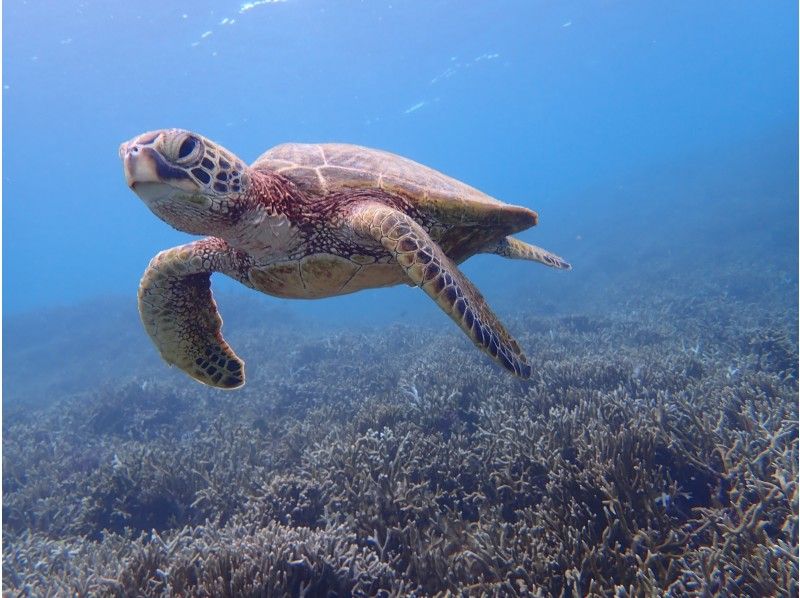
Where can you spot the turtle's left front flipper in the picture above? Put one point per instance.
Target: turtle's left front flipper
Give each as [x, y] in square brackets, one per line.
[180, 314]
[429, 267]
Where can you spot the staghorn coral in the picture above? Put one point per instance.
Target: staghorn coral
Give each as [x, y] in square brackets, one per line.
[234, 560]
[655, 451]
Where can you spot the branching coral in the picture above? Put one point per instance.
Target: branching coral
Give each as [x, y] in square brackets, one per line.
[653, 452]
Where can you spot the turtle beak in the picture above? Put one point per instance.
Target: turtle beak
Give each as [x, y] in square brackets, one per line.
[139, 167]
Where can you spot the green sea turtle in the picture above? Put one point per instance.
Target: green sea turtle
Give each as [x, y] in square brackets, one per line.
[309, 221]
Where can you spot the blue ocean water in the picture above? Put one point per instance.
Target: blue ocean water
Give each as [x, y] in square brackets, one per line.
[649, 137]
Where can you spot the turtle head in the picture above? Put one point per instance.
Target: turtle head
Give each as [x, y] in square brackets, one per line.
[188, 181]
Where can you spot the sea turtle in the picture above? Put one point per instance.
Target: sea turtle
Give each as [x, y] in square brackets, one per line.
[309, 221]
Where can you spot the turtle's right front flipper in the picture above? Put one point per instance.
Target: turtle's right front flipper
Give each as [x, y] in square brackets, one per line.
[180, 315]
[429, 267]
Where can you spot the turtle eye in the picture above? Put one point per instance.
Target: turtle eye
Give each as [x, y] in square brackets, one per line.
[187, 149]
[184, 151]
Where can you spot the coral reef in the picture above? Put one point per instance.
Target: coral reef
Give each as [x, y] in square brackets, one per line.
[655, 451]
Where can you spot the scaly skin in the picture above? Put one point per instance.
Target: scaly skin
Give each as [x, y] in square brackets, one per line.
[427, 265]
[180, 315]
[517, 250]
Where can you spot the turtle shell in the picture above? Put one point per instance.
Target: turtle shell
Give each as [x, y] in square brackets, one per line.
[322, 168]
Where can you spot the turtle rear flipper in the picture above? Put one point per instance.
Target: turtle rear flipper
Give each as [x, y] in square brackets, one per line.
[180, 315]
[519, 250]
[429, 267]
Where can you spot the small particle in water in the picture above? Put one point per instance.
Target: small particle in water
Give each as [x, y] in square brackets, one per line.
[446, 74]
[195, 44]
[184, 16]
[415, 107]
[251, 5]
[567, 24]
[206, 34]
[224, 21]
[6, 87]
[66, 41]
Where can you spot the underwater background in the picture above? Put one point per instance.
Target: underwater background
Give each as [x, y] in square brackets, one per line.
[373, 449]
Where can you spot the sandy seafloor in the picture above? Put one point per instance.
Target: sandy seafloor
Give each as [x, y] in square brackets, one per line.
[654, 451]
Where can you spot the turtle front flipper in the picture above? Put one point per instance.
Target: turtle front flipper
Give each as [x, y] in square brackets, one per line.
[429, 267]
[180, 315]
